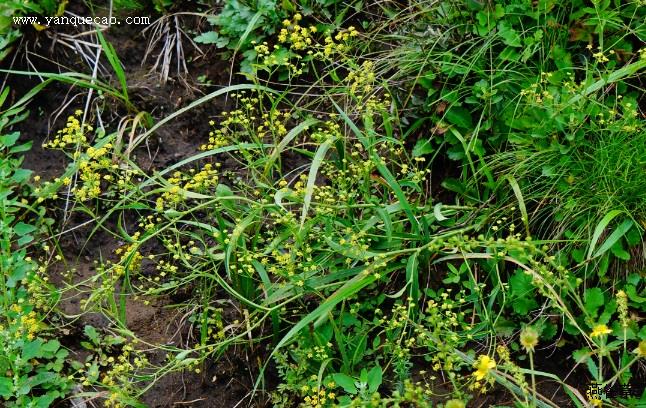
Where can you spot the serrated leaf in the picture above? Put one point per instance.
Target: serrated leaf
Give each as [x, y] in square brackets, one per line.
[210, 37]
[49, 348]
[509, 36]
[31, 349]
[593, 299]
[522, 292]
[422, 147]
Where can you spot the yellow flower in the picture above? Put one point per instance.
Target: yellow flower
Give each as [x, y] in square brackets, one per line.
[600, 330]
[482, 366]
[641, 349]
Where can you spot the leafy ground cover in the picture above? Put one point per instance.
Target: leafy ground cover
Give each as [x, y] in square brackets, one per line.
[324, 203]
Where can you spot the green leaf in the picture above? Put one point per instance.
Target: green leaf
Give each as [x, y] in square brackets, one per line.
[460, 117]
[522, 292]
[437, 212]
[91, 334]
[504, 327]
[346, 382]
[50, 348]
[593, 299]
[412, 275]
[32, 349]
[21, 229]
[20, 148]
[601, 226]
[619, 252]
[422, 147]
[6, 387]
[632, 295]
[609, 243]
[359, 351]
[509, 36]
[24, 240]
[311, 177]
[521, 202]
[21, 175]
[374, 379]
[9, 140]
[426, 80]
[210, 37]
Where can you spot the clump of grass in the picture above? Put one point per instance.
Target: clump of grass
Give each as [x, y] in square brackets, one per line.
[578, 161]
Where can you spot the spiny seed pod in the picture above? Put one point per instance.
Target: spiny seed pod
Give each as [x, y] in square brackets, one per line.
[529, 338]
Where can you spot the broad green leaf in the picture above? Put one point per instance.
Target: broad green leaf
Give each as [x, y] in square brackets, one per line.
[374, 379]
[9, 140]
[31, 349]
[21, 228]
[593, 299]
[346, 382]
[422, 147]
[460, 117]
[6, 387]
[522, 292]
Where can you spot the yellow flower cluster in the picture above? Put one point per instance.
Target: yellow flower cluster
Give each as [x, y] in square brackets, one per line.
[297, 45]
[512, 368]
[440, 327]
[600, 56]
[73, 135]
[25, 323]
[340, 46]
[318, 397]
[622, 308]
[123, 370]
[95, 164]
[202, 181]
[216, 325]
[361, 80]
[361, 84]
[130, 257]
[292, 264]
[483, 365]
[539, 92]
[247, 123]
[299, 38]
[91, 175]
[216, 139]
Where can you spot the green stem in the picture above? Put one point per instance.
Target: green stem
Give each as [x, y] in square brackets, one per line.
[531, 366]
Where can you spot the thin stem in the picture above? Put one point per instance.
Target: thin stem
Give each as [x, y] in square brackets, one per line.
[531, 366]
